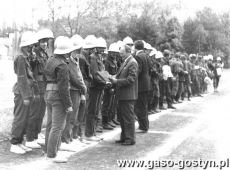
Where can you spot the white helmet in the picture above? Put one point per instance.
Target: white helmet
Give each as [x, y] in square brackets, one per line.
[101, 43]
[62, 45]
[28, 38]
[192, 55]
[114, 48]
[128, 40]
[147, 46]
[44, 33]
[120, 44]
[77, 41]
[159, 55]
[90, 42]
[153, 52]
[210, 57]
[205, 57]
[218, 59]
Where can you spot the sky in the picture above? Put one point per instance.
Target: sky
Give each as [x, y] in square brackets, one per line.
[29, 11]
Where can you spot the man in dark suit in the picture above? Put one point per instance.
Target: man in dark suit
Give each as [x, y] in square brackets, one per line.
[141, 106]
[127, 92]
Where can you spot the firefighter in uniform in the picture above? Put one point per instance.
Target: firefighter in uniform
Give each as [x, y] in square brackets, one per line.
[38, 63]
[155, 72]
[109, 102]
[25, 92]
[95, 88]
[165, 81]
[77, 87]
[57, 97]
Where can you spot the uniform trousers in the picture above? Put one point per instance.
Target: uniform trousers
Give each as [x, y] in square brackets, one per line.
[23, 122]
[95, 97]
[56, 119]
[71, 119]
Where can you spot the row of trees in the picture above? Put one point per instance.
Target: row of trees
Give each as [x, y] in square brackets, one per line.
[205, 33]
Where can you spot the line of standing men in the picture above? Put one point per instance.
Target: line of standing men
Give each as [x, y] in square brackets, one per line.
[81, 84]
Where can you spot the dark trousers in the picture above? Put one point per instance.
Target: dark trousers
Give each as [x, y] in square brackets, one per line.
[95, 96]
[175, 86]
[216, 80]
[71, 119]
[127, 120]
[77, 129]
[108, 105]
[195, 85]
[56, 119]
[165, 90]
[155, 102]
[22, 122]
[38, 108]
[141, 110]
[180, 90]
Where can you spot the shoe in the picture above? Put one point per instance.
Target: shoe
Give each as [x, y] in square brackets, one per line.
[199, 95]
[189, 99]
[92, 138]
[41, 141]
[107, 127]
[112, 124]
[66, 147]
[116, 122]
[41, 136]
[119, 141]
[99, 129]
[99, 137]
[17, 149]
[126, 143]
[57, 159]
[151, 112]
[178, 101]
[84, 141]
[174, 102]
[25, 148]
[140, 131]
[171, 107]
[33, 145]
[162, 108]
[157, 111]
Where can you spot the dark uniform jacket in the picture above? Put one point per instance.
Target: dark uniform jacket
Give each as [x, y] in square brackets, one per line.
[57, 73]
[143, 71]
[85, 68]
[26, 86]
[96, 65]
[76, 79]
[111, 66]
[38, 64]
[127, 80]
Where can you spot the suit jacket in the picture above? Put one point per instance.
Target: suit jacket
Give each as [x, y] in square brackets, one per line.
[143, 72]
[127, 80]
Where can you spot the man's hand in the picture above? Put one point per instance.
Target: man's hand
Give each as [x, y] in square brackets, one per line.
[69, 110]
[113, 80]
[83, 97]
[26, 102]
